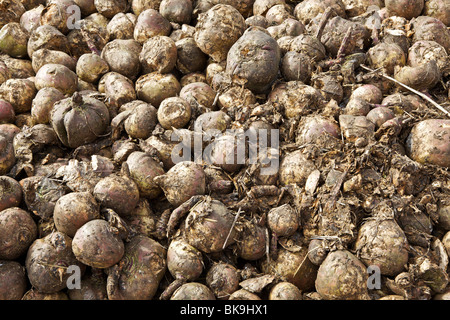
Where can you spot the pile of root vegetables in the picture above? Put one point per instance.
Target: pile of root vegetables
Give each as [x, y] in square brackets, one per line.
[103, 194]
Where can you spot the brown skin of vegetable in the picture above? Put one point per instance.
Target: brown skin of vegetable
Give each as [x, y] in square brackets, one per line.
[225, 152]
[193, 183]
[341, 276]
[91, 67]
[13, 280]
[209, 235]
[243, 294]
[429, 28]
[110, 8]
[285, 291]
[57, 76]
[296, 66]
[218, 29]
[13, 40]
[424, 51]
[141, 269]
[143, 169]
[369, 93]
[47, 37]
[121, 26]
[427, 143]
[422, 77]
[380, 115]
[7, 114]
[155, 87]
[117, 88]
[122, 56]
[97, 245]
[10, 193]
[174, 112]
[79, 120]
[151, 23]
[159, 54]
[73, 210]
[198, 94]
[254, 60]
[386, 56]
[18, 231]
[193, 291]
[19, 93]
[30, 20]
[437, 9]
[384, 244]
[404, 8]
[7, 156]
[117, 192]
[252, 242]
[43, 103]
[177, 11]
[47, 260]
[142, 121]
[223, 279]
[260, 7]
[189, 56]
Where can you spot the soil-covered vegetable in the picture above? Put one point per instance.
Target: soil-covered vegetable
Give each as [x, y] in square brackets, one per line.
[224, 149]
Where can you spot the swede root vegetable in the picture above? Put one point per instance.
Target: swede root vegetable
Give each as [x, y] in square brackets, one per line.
[311, 128]
[97, 244]
[10, 193]
[155, 87]
[110, 8]
[437, 9]
[138, 273]
[150, 23]
[13, 40]
[429, 28]
[121, 26]
[47, 37]
[194, 182]
[253, 60]
[43, 103]
[7, 114]
[20, 102]
[383, 243]
[295, 168]
[122, 56]
[174, 112]
[285, 291]
[404, 8]
[193, 291]
[56, 76]
[79, 120]
[198, 95]
[73, 210]
[184, 262]
[141, 122]
[189, 57]
[18, 231]
[13, 280]
[342, 276]
[386, 56]
[427, 143]
[47, 261]
[209, 226]
[296, 66]
[218, 29]
[422, 77]
[243, 294]
[177, 11]
[44, 56]
[159, 54]
[283, 220]
[307, 10]
[117, 88]
[34, 294]
[91, 67]
[117, 192]
[143, 169]
[223, 279]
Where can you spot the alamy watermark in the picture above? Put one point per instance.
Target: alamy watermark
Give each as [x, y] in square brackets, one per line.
[238, 146]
